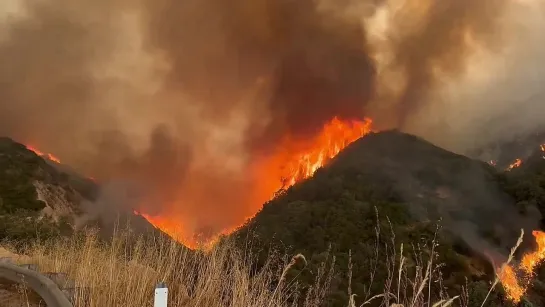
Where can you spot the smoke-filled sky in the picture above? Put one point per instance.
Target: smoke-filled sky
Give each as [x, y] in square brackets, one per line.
[183, 97]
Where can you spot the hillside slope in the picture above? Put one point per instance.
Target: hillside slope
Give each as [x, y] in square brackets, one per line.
[463, 192]
[40, 199]
[412, 184]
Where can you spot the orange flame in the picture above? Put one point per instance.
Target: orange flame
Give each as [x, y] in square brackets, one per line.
[176, 232]
[515, 287]
[43, 155]
[298, 160]
[50, 157]
[543, 150]
[293, 161]
[531, 260]
[510, 283]
[517, 163]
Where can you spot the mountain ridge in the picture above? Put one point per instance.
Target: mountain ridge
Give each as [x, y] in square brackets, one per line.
[408, 186]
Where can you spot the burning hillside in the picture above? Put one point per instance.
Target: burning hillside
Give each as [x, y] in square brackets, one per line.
[47, 156]
[293, 161]
[207, 108]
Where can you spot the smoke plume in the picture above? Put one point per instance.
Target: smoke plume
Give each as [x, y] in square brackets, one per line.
[182, 97]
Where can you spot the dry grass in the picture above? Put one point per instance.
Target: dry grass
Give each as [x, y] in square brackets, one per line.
[122, 274]
[405, 287]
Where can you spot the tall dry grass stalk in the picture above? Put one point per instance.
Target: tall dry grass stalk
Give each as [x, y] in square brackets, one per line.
[509, 260]
[405, 283]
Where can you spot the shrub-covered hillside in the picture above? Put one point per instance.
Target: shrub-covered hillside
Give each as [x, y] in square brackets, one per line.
[413, 185]
[21, 208]
[40, 199]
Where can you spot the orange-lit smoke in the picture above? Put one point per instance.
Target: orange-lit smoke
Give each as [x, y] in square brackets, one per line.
[292, 161]
[210, 106]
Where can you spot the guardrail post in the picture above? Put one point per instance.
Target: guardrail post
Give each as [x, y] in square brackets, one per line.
[161, 295]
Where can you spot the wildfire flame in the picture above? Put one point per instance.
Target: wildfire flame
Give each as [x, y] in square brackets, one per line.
[299, 160]
[531, 260]
[294, 160]
[44, 155]
[515, 286]
[517, 163]
[543, 150]
[511, 284]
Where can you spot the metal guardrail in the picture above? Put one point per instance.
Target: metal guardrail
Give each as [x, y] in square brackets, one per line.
[46, 288]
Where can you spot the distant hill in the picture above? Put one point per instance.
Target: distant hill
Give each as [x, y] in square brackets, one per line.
[503, 153]
[412, 183]
[40, 199]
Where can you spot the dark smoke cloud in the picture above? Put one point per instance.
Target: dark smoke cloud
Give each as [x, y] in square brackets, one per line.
[179, 96]
[428, 44]
[475, 74]
[317, 64]
[440, 48]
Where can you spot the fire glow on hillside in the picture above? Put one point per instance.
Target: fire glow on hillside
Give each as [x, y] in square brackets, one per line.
[515, 164]
[298, 160]
[43, 155]
[293, 161]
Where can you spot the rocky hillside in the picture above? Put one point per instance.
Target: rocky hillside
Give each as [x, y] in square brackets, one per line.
[39, 198]
[413, 185]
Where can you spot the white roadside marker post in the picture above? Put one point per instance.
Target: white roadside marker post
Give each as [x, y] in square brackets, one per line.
[161, 295]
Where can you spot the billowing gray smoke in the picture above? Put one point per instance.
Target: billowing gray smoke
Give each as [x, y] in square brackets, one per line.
[182, 97]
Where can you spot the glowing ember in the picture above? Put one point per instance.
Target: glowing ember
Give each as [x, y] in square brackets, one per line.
[517, 163]
[543, 150]
[41, 154]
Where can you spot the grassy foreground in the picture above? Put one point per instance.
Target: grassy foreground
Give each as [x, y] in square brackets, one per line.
[119, 273]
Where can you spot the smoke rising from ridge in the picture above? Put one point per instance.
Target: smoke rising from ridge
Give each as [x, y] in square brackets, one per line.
[182, 96]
